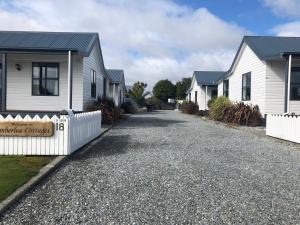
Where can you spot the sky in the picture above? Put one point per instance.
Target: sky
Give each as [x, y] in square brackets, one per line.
[159, 39]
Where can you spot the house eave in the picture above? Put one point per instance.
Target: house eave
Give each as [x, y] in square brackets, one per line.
[39, 51]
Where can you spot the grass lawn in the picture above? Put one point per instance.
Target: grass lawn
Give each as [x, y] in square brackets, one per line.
[17, 170]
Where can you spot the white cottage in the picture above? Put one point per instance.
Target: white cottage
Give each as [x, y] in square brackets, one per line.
[266, 72]
[117, 88]
[204, 87]
[50, 71]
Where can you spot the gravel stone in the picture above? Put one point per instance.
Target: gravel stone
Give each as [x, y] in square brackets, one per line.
[169, 168]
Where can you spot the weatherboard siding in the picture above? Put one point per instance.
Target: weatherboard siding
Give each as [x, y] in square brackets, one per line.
[19, 83]
[89, 63]
[275, 87]
[249, 62]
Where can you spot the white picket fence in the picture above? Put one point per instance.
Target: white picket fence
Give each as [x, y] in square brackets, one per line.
[285, 127]
[70, 133]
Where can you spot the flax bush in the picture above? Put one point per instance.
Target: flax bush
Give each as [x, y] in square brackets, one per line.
[110, 112]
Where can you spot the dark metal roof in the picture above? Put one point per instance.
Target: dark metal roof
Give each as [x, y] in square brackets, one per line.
[82, 43]
[208, 77]
[271, 47]
[116, 76]
[268, 48]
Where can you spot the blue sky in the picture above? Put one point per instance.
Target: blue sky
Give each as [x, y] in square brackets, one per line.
[251, 14]
[159, 39]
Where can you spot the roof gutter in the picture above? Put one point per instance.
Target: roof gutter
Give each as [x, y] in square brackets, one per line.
[43, 51]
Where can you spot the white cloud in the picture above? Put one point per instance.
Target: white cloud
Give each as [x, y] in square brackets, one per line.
[289, 9]
[284, 8]
[150, 40]
[289, 29]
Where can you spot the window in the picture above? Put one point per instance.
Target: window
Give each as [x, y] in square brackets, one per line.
[93, 83]
[104, 86]
[190, 97]
[295, 84]
[214, 92]
[196, 100]
[226, 88]
[246, 87]
[45, 79]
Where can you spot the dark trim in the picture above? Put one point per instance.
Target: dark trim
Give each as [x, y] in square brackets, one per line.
[4, 81]
[45, 64]
[286, 85]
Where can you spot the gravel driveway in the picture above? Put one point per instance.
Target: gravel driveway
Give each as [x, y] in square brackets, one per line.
[170, 168]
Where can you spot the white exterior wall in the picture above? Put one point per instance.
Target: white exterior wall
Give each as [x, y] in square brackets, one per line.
[275, 87]
[116, 96]
[200, 95]
[89, 63]
[195, 87]
[220, 89]
[249, 62]
[19, 83]
[119, 93]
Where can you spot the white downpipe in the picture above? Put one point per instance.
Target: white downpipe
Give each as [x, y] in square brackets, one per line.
[289, 84]
[69, 79]
[205, 97]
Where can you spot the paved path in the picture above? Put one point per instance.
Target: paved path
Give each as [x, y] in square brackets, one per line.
[170, 168]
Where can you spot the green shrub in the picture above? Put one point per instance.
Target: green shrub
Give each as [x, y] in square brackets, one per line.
[211, 101]
[129, 106]
[110, 112]
[189, 108]
[216, 107]
[154, 103]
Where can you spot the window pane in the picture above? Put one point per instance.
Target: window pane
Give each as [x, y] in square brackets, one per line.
[246, 87]
[52, 72]
[36, 87]
[248, 92]
[36, 72]
[295, 92]
[92, 76]
[43, 72]
[43, 87]
[52, 87]
[248, 80]
[93, 90]
[244, 81]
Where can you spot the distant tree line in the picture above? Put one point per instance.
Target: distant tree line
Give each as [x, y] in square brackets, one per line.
[162, 91]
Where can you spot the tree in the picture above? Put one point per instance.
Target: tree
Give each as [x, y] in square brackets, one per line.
[137, 93]
[164, 89]
[182, 87]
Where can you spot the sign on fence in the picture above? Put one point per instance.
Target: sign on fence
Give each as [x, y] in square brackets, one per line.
[25, 129]
[58, 135]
